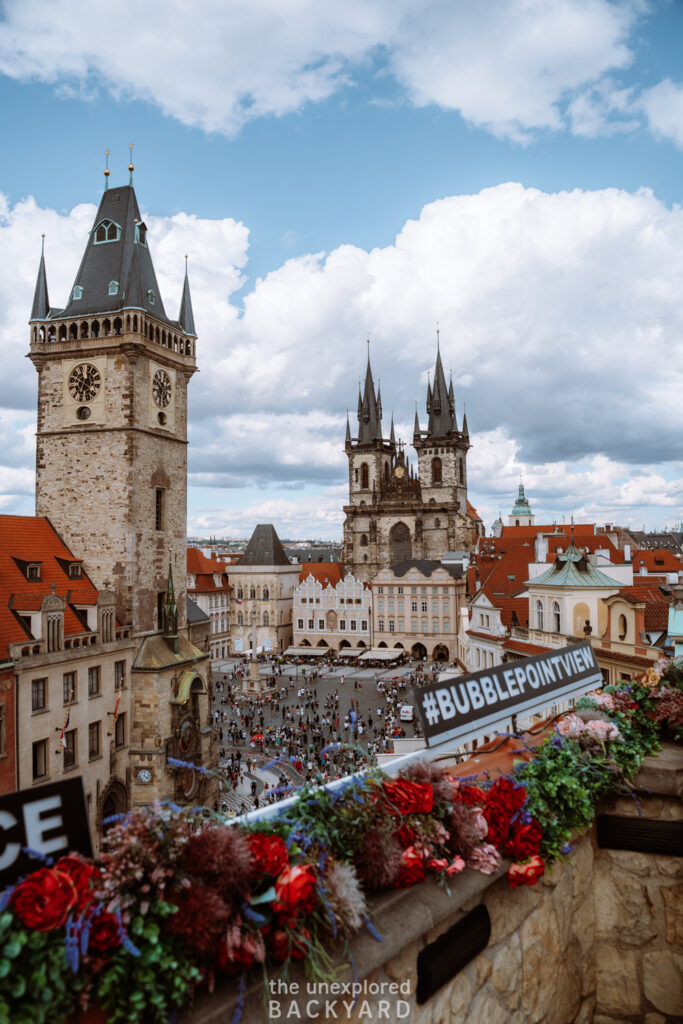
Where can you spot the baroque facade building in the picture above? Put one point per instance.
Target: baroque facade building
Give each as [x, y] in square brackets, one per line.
[331, 611]
[111, 475]
[394, 513]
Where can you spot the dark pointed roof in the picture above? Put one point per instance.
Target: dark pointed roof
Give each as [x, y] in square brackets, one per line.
[186, 316]
[347, 441]
[392, 435]
[41, 302]
[369, 415]
[264, 548]
[127, 260]
[465, 431]
[416, 428]
[441, 420]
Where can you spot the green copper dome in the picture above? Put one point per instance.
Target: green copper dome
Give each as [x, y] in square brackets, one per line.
[521, 507]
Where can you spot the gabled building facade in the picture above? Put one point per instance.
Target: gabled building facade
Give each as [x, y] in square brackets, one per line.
[395, 513]
[330, 609]
[208, 586]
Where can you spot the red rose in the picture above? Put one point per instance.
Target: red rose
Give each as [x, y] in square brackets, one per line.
[470, 795]
[412, 869]
[524, 841]
[105, 933]
[503, 793]
[81, 874]
[409, 797]
[43, 900]
[498, 820]
[235, 958]
[269, 853]
[405, 835]
[295, 890]
[285, 945]
[527, 873]
[437, 864]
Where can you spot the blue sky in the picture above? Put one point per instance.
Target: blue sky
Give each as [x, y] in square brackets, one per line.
[511, 170]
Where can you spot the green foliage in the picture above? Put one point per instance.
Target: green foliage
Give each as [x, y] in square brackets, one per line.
[146, 989]
[36, 985]
[338, 825]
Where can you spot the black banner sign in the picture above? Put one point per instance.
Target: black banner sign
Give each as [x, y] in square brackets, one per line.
[472, 703]
[50, 820]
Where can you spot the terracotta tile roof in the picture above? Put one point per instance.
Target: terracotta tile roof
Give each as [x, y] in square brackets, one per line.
[587, 543]
[28, 539]
[471, 511]
[483, 636]
[508, 605]
[520, 647]
[656, 560]
[627, 659]
[656, 603]
[327, 573]
[204, 569]
[506, 576]
[529, 532]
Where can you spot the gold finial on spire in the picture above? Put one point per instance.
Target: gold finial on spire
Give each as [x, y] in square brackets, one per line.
[107, 172]
[42, 244]
[131, 165]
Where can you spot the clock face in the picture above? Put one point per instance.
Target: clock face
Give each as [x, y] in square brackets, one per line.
[399, 472]
[161, 388]
[144, 776]
[84, 382]
[186, 737]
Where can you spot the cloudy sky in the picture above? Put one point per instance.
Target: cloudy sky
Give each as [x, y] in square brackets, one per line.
[511, 170]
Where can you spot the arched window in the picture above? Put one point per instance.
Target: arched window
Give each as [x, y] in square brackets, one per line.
[401, 548]
[240, 595]
[252, 593]
[539, 615]
[364, 476]
[355, 476]
[84, 330]
[78, 291]
[461, 471]
[107, 231]
[436, 471]
[266, 594]
[113, 287]
[363, 540]
[386, 470]
[557, 621]
[622, 627]
[240, 621]
[266, 619]
[118, 325]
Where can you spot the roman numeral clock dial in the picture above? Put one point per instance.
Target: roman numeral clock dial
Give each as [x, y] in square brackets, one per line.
[84, 382]
[161, 388]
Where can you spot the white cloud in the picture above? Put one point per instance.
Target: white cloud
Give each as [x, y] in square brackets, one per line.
[507, 65]
[663, 107]
[561, 316]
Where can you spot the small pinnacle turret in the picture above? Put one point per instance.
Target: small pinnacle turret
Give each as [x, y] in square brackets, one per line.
[41, 301]
[186, 316]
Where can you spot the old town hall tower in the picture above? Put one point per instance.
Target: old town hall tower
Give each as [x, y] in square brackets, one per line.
[396, 514]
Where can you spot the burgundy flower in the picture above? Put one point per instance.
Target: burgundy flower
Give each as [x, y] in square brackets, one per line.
[43, 900]
[269, 854]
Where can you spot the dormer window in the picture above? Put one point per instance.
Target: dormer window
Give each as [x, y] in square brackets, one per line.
[107, 231]
[113, 287]
[33, 571]
[151, 296]
[141, 233]
[75, 571]
[78, 292]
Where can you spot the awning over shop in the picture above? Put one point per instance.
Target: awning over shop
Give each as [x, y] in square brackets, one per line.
[351, 652]
[382, 654]
[303, 652]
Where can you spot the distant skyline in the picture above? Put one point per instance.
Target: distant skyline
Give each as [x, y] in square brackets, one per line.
[511, 171]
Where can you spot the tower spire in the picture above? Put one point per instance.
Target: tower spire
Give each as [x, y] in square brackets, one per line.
[392, 436]
[131, 165]
[41, 301]
[107, 172]
[186, 316]
[347, 442]
[170, 623]
[369, 409]
[439, 406]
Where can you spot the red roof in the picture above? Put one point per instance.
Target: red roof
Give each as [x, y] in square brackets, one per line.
[656, 604]
[656, 560]
[327, 573]
[204, 568]
[529, 532]
[519, 647]
[29, 539]
[505, 576]
[591, 543]
[471, 511]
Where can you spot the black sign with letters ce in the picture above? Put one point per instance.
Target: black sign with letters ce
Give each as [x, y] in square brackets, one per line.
[50, 820]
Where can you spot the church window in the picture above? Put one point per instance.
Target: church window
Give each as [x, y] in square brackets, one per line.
[239, 594]
[364, 476]
[365, 558]
[266, 593]
[380, 590]
[363, 540]
[436, 471]
[266, 619]
[159, 508]
[78, 292]
[399, 539]
[556, 616]
[107, 231]
[539, 615]
[151, 296]
[113, 287]
[461, 471]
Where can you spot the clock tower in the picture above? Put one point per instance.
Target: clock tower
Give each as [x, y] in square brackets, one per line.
[111, 457]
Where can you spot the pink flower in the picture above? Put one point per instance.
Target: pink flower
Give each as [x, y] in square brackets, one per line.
[603, 700]
[437, 864]
[570, 725]
[457, 865]
[602, 731]
[484, 858]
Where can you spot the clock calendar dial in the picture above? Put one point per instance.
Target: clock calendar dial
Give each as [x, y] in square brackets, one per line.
[84, 382]
[144, 776]
[161, 388]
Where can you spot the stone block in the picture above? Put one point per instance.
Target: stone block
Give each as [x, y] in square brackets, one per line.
[460, 993]
[582, 869]
[485, 1008]
[482, 970]
[541, 951]
[663, 980]
[507, 969]
[623, 909]
[618, 991]
[586, 1010]
[624, 860]
[562, 902]
[509, 907]
[654, 1018]
[673, 910]
[404, 966]
[672, 867]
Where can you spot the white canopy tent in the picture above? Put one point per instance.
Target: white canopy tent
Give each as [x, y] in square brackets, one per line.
[382, 654]
[303, 652]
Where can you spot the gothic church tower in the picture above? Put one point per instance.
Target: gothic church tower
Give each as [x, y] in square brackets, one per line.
[113, 370]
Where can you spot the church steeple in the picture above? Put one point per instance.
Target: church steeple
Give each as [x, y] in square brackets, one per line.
[170, 622]
[347, 441]
[186, 316]
[441, 421]
[41, 301]
[369, 411]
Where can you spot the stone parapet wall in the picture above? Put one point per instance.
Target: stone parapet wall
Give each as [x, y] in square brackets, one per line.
[599, 940]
